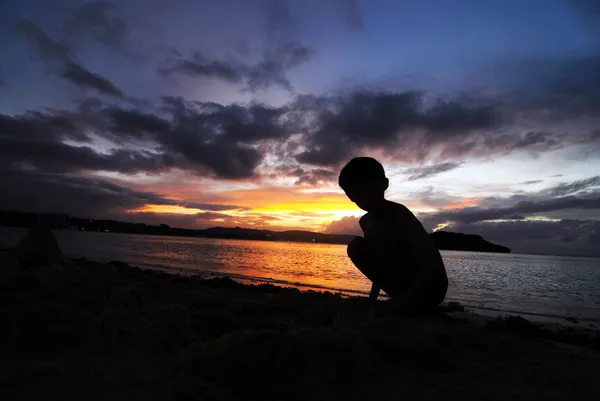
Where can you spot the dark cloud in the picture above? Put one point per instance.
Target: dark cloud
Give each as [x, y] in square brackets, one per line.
[82, 77]
[199, 65]
[271, 71]
[255, 122]
[207, 139]
[576, 200]
[60, 59]
[531, 182]
[37, 126]
[85, 197]
[136, 123]
[405, 127]
[63, 158]
[315, 177]
[398, 123]
[222, 138]
[417, 173]
[231, 141]
[575, 187]
[476, 214]
[45, 47]
[209, 206]
[212, 216]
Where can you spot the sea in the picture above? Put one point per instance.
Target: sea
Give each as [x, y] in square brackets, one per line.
[532, 285]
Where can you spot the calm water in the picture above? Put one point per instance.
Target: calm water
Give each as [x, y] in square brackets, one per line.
[545, 285]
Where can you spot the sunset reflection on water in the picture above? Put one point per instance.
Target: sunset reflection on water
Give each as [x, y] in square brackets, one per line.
[319, 265]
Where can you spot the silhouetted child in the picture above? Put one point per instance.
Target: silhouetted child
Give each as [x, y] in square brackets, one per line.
[396, 253]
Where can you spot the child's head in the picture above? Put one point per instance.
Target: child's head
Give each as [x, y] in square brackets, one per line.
[364, 182]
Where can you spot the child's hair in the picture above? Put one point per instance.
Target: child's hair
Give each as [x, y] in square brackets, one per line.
[360, 169]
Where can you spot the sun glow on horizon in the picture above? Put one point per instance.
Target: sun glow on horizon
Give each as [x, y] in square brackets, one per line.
[463, 203]
[279, 208]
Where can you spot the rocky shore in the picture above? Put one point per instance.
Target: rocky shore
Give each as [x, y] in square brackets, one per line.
[80, 330]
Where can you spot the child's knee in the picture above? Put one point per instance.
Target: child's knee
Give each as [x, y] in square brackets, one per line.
[357, 249]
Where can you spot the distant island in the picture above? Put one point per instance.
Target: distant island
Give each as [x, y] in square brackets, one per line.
[444, 240]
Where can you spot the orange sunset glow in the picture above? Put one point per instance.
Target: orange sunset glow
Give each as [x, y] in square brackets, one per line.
[271, 207]
[469, 202]
[278, 208]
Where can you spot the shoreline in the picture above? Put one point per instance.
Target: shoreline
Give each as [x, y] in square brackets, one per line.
[538, 317]
[85, 330]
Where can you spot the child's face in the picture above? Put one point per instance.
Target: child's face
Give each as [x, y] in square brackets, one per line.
[367, 195]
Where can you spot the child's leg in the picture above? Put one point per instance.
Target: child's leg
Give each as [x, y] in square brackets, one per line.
[360, 255]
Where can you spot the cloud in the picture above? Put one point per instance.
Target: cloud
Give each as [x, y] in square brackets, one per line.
[418, 173]
[62, 158]
[135, 123]
[413, 127]
[232, 141]
[204, 138]
[346, 225]
[271, 71]
[565, 201]
[531, 182]
[36, 126]
[58, 56]
[207, 219]
[399, 123]
[45, 47]
[575, 187]
[529, 207]
[80, 196]
[315, 177]
[82, 77]
[222, 139]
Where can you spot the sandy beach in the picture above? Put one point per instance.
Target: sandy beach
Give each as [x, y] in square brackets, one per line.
[110, 331]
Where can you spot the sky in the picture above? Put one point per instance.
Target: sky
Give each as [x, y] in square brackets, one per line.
[485, 114]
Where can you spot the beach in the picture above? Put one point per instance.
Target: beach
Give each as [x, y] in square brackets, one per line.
[94, 331]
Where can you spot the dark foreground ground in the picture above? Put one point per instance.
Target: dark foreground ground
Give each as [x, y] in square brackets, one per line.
[113, 332]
